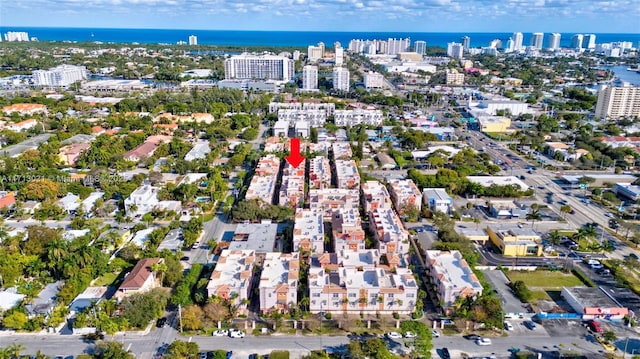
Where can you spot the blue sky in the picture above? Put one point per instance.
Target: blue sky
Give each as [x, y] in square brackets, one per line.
[612, 16]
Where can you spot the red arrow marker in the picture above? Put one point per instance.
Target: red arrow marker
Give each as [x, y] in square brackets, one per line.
[295, 158]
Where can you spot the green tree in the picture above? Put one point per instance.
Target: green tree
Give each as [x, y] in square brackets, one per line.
[15, 320]
[183, 350]
[111, 350]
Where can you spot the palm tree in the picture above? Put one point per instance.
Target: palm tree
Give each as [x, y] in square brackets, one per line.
[565, 209]
[160, 269]
[304, 304]
[533, 216]
[554, 237]
[14, 349]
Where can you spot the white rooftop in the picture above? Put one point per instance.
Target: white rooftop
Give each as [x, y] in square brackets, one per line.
[255, 237]
[453, 269]
[487, 181]
[280, 268]
[234, 269]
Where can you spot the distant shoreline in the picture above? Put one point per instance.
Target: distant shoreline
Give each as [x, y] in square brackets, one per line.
[298, 39]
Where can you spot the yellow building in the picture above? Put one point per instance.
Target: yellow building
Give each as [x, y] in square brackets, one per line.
[494, 124]
[515, 241]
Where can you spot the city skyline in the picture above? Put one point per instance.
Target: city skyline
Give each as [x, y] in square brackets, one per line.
[333, 15]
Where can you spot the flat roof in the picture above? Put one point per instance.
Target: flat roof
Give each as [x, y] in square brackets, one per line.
[258, 237]
[453, 269]
[611, 176]
[437, 193]
[592, 297]
[498, 180]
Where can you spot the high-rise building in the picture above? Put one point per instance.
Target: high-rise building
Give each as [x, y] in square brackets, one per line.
[576, 41]
[60, 76]
[310, 77]
[395, 46]
[466, 42]
[193, 40]
[618, 102]
[315, 53]
[339, 53]
[259, 67]
[455, 50]
[517, 41]
[16, 36]
[590, 40]
[340, 78]
[510, 46]
[495, 43]
[420, 47]
[537, 39]
[553, 41]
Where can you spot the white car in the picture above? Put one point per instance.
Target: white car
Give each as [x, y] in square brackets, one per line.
[394, 335]
[220, 333]
[508, 326]
[410, 335]
[435, 334]
[235, 333]
[483, 341]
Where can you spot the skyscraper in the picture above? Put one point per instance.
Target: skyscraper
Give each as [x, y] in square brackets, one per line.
[617, 102]
[455, 50]
[259, 67]
[554, 41]
[466, 42]
[576, 41]
[340, 78]
[420, 47]
[517, 41]
[310, 77]
[315, 53]
[510, 46]
[394, 46]
[590, 40]
[193, 40]
[339, 53]
[537, 38]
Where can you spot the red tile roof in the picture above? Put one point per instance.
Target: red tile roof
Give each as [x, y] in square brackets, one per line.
[139, 274]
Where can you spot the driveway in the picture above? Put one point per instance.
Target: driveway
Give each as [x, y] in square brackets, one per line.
[510, 304]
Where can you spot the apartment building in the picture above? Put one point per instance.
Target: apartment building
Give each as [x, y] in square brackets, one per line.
[347, 175]
[358, 116]
[315, 117]
[279, 282]
[405, 194]
[388, 230]
[341, 78]
[375, 195]
[451, 277]
[263, 183]
[292, 186]
[328, 107]
[319, 173]
[310, 78]
[353, 290]
[618, 102]
[60, 76]
[348, 233]
[232, 278]
[329, 200]
[315, 53]
[453, 77]
[308, 231]
[258, 67]
[342, 150]
[373, 80]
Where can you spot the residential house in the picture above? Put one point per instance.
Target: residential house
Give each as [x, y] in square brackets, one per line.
[70, 154]
[70, 202]
[232, 278]
[7, 199]
[200, 150]
[25, 109]
[438, 200]
[22, 125]
[141, 279]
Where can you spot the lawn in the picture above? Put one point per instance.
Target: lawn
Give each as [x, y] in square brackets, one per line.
[545, 279]
[539, 294]
[106, 280]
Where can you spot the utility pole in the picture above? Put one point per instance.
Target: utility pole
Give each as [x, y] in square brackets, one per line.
[180, 316]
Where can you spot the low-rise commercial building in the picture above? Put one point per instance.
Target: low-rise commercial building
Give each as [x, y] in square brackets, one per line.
[494, 124]
[438, 200]
[279, 282]
[512, 240]
[488, 181]
[593, 303]
[627, 191]
[451, 277]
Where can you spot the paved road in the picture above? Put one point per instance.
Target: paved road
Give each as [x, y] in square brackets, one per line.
[498, 280]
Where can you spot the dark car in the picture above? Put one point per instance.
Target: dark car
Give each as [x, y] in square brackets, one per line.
[529, 324]
[445, 353]
[472, 337]
[229, 354]
[633, 256]
[184, 259]
[161, 322]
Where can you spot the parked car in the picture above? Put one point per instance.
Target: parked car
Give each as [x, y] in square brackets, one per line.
[161, 322]
[410, 335]
[235, 333]
[445, 353]
[508, 326]
[529, 324]
[435, 334]
[220, 333]
[394, 335]
[203, 355]
[472, 337]
[483, 341]
[597, 266]
[595, 326]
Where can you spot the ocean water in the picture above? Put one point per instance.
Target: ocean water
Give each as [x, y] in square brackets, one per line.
[278, 38]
